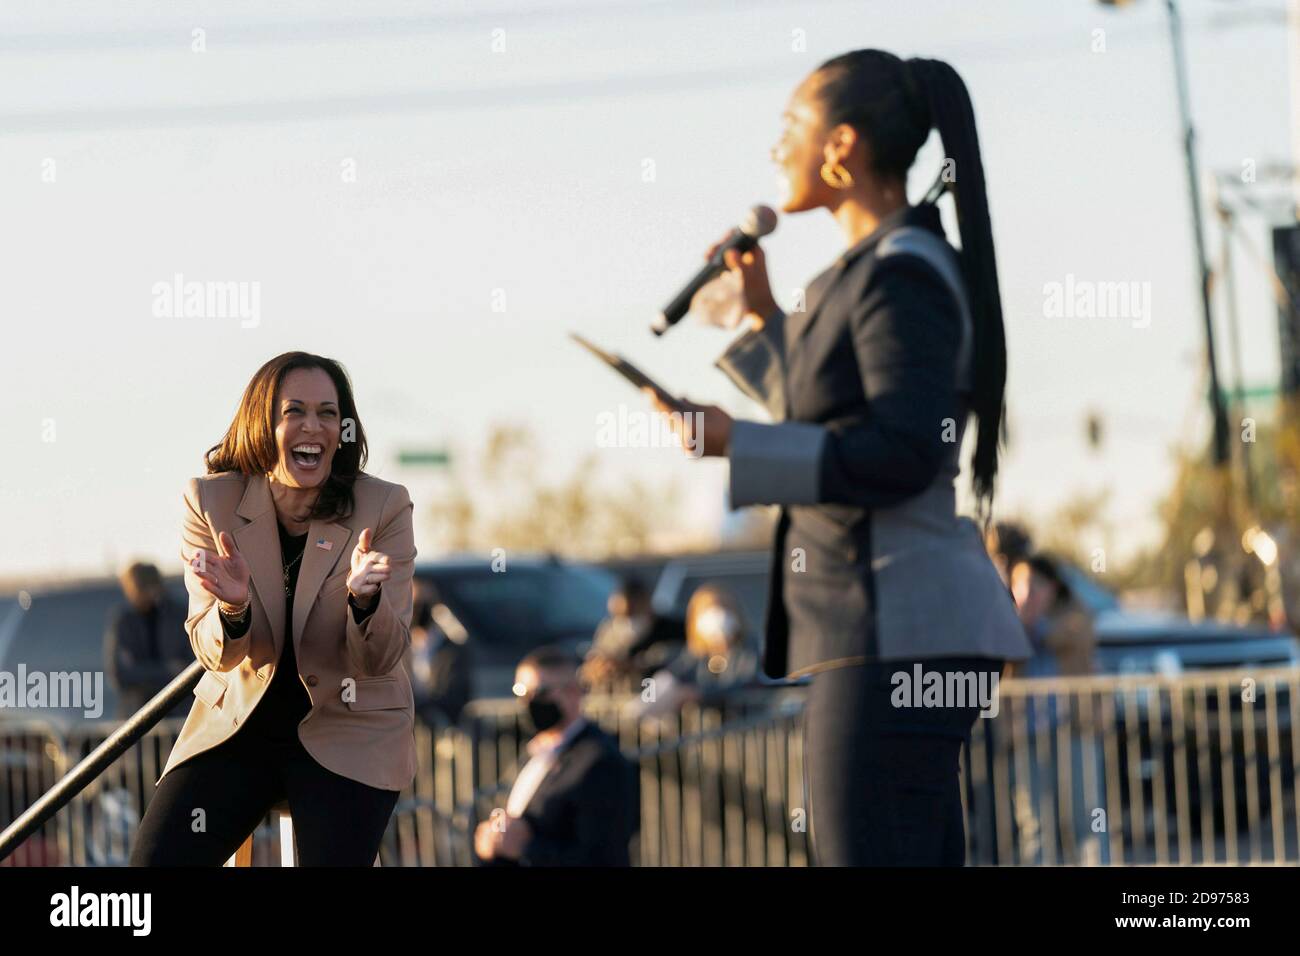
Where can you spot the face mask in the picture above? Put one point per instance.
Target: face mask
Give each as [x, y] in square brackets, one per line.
[543, 714]
[715, 629]
[718, 621]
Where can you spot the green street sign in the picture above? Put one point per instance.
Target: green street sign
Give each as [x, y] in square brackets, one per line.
[1250, 393]
[424, 457]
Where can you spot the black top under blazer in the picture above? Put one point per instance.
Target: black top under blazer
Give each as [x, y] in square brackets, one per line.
[869, 388]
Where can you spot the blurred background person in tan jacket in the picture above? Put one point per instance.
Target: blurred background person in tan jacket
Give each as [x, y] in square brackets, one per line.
[1056, 803]
[1059, 626]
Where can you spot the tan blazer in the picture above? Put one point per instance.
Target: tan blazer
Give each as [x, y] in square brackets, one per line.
[362, 718]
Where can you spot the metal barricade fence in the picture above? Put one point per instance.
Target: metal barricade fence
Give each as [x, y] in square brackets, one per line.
[725, 794]
[1197, 768]
[31, 762]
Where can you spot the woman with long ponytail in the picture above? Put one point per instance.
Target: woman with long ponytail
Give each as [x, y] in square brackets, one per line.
[881, 593]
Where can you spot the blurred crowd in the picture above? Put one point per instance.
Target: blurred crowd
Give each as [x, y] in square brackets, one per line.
[1059, 626]
[667, 663]
[662, 661]
[574, 801]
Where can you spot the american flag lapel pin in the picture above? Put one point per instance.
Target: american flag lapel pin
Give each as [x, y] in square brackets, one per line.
[325, 545]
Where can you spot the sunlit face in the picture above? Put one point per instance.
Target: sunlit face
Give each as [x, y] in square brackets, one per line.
[142, 596]
[619, 604]
[1021, 576]
[558, 685]
[526, 681]
[712, 627]
[800, 153]
[1033, 593]
[307, 427]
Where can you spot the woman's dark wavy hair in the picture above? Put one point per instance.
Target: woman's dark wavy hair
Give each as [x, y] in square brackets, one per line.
[893, 104]
[249, 446]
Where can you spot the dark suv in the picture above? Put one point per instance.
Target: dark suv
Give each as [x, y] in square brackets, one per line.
[534, 601]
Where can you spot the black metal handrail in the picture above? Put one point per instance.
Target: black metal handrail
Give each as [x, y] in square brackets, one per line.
[100, 759]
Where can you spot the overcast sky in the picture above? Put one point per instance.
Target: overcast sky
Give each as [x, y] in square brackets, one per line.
[387, 175]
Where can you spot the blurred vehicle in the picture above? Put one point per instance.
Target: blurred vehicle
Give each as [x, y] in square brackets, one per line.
[1148, 642]
[1128, 641]
[536, 601]
[546, 600]
[60, 628]
[743, 574]
[1167, 644]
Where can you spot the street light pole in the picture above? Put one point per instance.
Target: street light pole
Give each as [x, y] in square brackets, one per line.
[1218, 410]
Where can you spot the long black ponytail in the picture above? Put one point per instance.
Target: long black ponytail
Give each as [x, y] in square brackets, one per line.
[894, 104]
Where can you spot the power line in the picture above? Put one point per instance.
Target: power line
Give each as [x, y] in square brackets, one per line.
[378, 104]
[323, 30]
[309, 109]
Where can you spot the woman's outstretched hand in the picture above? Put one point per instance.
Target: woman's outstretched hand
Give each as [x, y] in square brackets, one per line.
[370, 569]
[224, 575]
[702, 429]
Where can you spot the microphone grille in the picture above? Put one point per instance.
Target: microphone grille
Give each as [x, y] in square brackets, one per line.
[758, 222]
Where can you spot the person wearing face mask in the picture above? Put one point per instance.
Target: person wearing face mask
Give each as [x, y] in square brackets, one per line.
[298, 566]
[576, 801]
[714, 662]
[1074, 776]
[442, 672]
[1008, 543]
[1058, 625]
[632, 641]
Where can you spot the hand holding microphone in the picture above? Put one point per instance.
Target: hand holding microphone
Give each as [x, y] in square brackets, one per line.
[747, 282]
[737, 262]
[739, 253]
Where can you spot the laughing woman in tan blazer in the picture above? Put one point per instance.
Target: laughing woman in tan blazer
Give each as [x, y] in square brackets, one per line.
[298, 566]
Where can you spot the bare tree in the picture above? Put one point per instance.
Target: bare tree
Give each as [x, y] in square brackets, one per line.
[501, 501]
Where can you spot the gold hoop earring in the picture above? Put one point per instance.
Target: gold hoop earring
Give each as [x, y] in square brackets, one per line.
[836, 176]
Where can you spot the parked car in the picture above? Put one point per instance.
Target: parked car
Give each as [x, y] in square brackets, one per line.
[535, 601]
[1128, 641]
[60, 628]
[1131, 642]
[538, 601]
[743, 573]
[1149, 642]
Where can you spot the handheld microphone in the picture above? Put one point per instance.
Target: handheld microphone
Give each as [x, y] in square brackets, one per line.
[760, 221]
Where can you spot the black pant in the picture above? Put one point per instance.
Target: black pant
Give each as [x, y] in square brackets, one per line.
[336, 821]
[883, 780]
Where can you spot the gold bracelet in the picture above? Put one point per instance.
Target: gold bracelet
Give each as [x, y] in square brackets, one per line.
[235, 613]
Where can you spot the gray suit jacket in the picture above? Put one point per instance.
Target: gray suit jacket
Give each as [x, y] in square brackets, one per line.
[869, 388]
